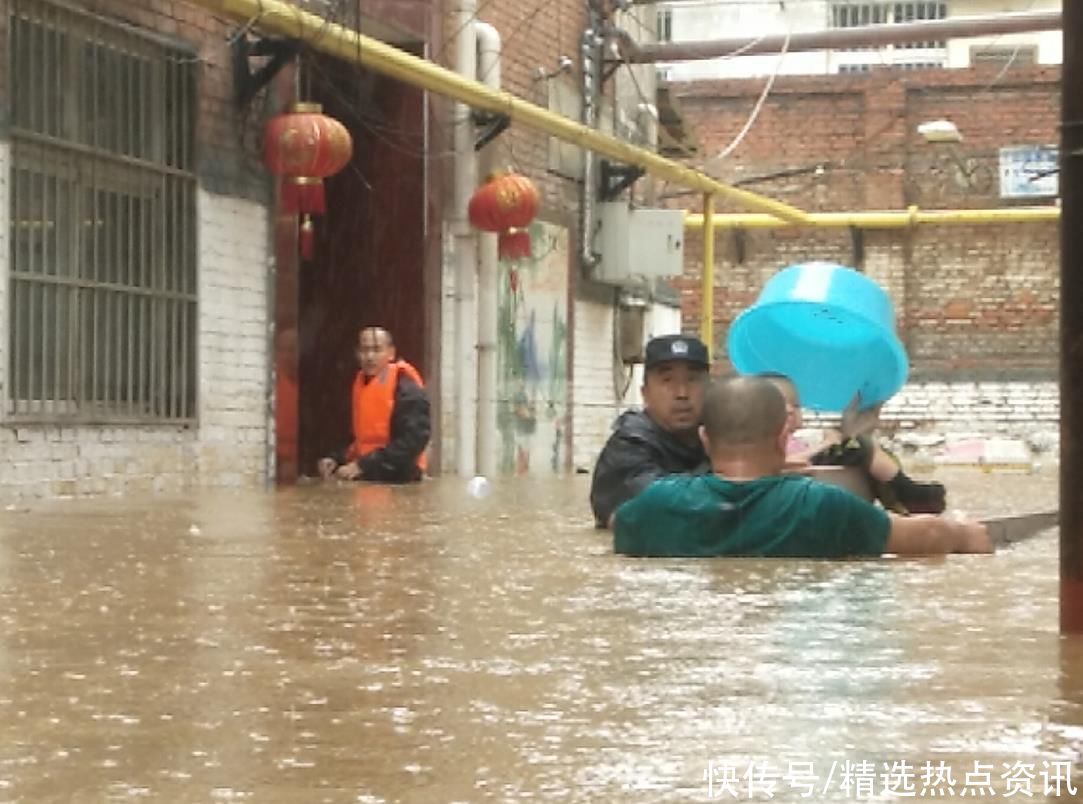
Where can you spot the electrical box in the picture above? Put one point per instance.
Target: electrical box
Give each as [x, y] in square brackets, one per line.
[636, 246]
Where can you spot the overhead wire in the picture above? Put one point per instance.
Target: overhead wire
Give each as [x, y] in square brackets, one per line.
[653, 111]
[382, 132]
[846, 161]
[652, 106]
[757, 109]
[649, 105]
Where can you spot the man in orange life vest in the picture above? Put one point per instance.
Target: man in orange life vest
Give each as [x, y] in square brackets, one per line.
[391, 425]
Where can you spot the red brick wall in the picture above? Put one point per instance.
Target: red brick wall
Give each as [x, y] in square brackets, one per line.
[986, 299]
[1022, 109]
[975, 301]
[810, 126]
[535, 34]
[415, 17]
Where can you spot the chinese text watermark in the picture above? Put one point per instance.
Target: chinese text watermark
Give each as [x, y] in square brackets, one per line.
[901, 779]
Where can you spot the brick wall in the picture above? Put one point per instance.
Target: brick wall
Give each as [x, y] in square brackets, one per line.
[597, 378]
[1017, 409]
[938, 417]
[230, 444]
[535, 34]
[227, 139]
[234, 331]
[1022, 108]
[973, 302]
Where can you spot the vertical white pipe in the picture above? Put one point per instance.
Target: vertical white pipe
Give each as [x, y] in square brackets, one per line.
[590, 60]
[466, 251]
[488, 73]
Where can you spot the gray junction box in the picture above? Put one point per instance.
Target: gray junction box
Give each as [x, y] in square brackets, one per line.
[637, 246]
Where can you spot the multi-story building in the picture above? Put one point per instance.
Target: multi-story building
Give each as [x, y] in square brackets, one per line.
[694, 20]
[158, 329]
[859, 140]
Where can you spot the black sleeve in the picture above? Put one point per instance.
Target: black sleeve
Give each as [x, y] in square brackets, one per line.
[851, 452]
[626, 466]
[410, 431]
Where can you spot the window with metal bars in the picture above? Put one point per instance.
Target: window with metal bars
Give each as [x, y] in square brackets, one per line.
[1020, 56]
[665, 24]
[102, 295]
[846, 14]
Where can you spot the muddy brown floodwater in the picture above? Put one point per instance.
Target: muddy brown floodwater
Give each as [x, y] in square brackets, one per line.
[367, 644]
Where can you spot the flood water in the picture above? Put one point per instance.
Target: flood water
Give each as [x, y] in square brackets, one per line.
[368, 644]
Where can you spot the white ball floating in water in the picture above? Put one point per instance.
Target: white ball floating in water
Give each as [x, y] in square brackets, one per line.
[478, 487]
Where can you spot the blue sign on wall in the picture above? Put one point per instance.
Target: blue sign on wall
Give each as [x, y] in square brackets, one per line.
[1029, 171]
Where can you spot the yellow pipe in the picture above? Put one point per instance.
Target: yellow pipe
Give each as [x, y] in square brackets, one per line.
[706, 296]
[883, 220]
[284, 19]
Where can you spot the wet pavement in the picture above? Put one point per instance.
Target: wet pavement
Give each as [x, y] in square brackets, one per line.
[367, 644]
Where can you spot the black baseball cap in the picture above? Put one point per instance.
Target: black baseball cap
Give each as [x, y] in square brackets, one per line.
[665, 348]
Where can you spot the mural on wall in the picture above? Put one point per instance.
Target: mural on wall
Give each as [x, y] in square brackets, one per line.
[532, 353]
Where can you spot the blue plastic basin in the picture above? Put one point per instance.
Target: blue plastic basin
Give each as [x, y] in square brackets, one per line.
[828, 328]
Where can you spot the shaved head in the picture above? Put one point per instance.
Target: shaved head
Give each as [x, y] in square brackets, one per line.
[784, 384]
[743, 412]
[794, 419]
[381, 335]
[374, 349]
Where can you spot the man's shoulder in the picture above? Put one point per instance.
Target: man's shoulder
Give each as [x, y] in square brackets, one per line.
[409, 382]
[677, 488]
[812, 493]
[830, 494]
[843, 523]
[633, 422]
[632, 429]
[663, 497]
[831, 505]
[636, 426]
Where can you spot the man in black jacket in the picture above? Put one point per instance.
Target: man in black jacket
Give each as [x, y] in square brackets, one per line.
[663, 438]
[390, 417]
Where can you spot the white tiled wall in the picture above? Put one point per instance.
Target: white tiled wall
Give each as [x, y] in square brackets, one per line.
[599, 379]
[229, 446]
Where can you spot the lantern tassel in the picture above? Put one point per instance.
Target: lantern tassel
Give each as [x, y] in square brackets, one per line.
[307, 239]
[311, 197]
[514, 244]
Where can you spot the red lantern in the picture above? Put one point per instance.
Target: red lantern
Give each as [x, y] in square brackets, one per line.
[505, 202]
[514, 244]
[305, 146]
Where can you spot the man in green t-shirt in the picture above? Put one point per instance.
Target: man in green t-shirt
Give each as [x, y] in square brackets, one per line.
[748, 507]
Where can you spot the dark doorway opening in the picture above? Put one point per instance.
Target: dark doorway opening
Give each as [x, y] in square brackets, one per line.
[368, 267]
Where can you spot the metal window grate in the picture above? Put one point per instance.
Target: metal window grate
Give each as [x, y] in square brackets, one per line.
[1019, 56]
[103, 226]
[665, 25]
